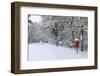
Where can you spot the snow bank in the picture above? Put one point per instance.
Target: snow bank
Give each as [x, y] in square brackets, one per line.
[43, 51]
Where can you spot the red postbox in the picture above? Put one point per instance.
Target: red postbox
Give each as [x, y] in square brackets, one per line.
[77, 43]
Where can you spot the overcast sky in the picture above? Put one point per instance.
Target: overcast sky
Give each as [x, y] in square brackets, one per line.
[34, 18]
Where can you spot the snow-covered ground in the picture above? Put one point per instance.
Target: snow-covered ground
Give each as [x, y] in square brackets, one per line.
[43, 51]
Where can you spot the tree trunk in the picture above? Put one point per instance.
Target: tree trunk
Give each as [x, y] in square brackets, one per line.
[82, 38]
[82, 42]
[72, 31]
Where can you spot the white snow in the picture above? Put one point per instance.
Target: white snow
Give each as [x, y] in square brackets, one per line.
[44, 51]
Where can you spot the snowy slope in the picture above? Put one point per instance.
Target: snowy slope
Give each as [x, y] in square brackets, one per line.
[43, 51]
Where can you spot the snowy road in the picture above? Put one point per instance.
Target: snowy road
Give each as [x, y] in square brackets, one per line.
[43, 51]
